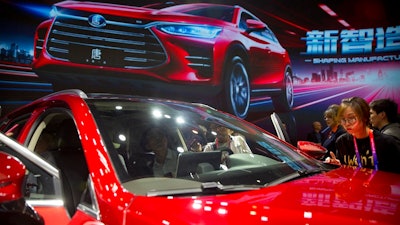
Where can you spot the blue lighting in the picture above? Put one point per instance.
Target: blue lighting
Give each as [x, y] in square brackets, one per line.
[191, 30]
[35, 9]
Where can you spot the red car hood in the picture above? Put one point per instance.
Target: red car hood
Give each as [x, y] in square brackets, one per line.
[138, 12]
[99, 6]
[343, 196]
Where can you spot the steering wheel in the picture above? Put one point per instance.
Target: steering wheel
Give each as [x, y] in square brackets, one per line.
[225, 153]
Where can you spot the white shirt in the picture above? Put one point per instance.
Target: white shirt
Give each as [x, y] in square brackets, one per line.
[169, 166]
[237, 144]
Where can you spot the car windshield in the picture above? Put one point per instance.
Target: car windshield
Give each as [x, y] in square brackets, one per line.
[160, 148]
[220, 12]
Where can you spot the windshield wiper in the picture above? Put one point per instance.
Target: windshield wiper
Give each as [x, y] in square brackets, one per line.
[215, 187]
[296, 175]
[304, 173]
[204, 189]
[208, 188]
[174, 192]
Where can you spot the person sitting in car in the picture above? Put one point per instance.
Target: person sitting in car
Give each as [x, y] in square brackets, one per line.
[155, 140]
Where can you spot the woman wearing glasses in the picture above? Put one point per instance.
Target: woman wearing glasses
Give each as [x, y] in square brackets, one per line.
[362, 146]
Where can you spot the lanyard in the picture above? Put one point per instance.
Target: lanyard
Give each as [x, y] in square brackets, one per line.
[372, 143]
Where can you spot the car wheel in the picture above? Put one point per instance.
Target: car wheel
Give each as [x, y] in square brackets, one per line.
[284, 101]
[237, 88]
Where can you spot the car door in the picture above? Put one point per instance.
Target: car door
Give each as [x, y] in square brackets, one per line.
[42, 186]
[56, 180]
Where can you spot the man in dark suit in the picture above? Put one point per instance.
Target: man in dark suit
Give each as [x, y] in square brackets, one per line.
[315, 136]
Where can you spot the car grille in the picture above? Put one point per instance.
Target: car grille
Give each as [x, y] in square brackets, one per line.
[122, 43]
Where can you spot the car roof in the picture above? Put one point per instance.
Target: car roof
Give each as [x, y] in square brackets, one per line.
[192, 6]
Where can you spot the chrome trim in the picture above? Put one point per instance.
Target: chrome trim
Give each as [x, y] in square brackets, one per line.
[78, 92]
[29, 155]
[92, 210]
[46, 202]
[136, 44]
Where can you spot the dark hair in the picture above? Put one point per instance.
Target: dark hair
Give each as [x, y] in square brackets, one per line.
[385, 105]
[359, 105]
[152, 134]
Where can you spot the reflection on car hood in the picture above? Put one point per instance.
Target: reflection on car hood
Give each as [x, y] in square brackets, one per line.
[342, 196]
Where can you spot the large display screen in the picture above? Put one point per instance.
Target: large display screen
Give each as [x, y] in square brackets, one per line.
[249, 58]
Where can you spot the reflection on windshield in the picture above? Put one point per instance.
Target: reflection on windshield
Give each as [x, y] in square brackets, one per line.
[153, 142]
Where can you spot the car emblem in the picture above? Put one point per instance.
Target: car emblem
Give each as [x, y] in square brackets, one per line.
[96, 54]
[97, 20]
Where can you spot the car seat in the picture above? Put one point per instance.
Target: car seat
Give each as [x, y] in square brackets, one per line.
[69, 158]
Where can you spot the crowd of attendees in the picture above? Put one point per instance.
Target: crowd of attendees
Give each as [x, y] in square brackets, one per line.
[360, 134]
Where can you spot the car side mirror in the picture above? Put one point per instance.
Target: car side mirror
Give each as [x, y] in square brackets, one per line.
[14, 209]
[312, 149]
[12, 174]
[253, 25]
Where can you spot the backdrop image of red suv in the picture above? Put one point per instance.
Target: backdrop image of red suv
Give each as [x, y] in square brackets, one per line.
[221, 55]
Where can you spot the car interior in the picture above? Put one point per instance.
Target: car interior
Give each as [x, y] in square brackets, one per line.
[59, 144]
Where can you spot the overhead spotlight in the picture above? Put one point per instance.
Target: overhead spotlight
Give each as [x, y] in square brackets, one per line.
[343, 22]
[327, 10]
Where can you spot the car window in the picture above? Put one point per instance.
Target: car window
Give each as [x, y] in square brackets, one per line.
[41, 185]
[265, 33]
[14, 127]
[56, 164]
[243, 18]
[224, 13]
[194, 148]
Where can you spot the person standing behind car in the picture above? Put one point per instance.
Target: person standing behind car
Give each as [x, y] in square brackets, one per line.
[335, 129]
[383, 116]
[361, 146]
[315, 135]
[224, 138]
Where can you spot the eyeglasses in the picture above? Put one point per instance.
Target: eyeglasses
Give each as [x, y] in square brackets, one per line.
[350, 120]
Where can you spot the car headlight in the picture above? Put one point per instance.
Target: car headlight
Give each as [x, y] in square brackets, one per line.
[53, 12]
[200, 31]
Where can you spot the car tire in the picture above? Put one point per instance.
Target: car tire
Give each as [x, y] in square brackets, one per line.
[236, 95]
[284, 101]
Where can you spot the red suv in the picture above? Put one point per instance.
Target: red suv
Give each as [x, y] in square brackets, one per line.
[188, 52]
